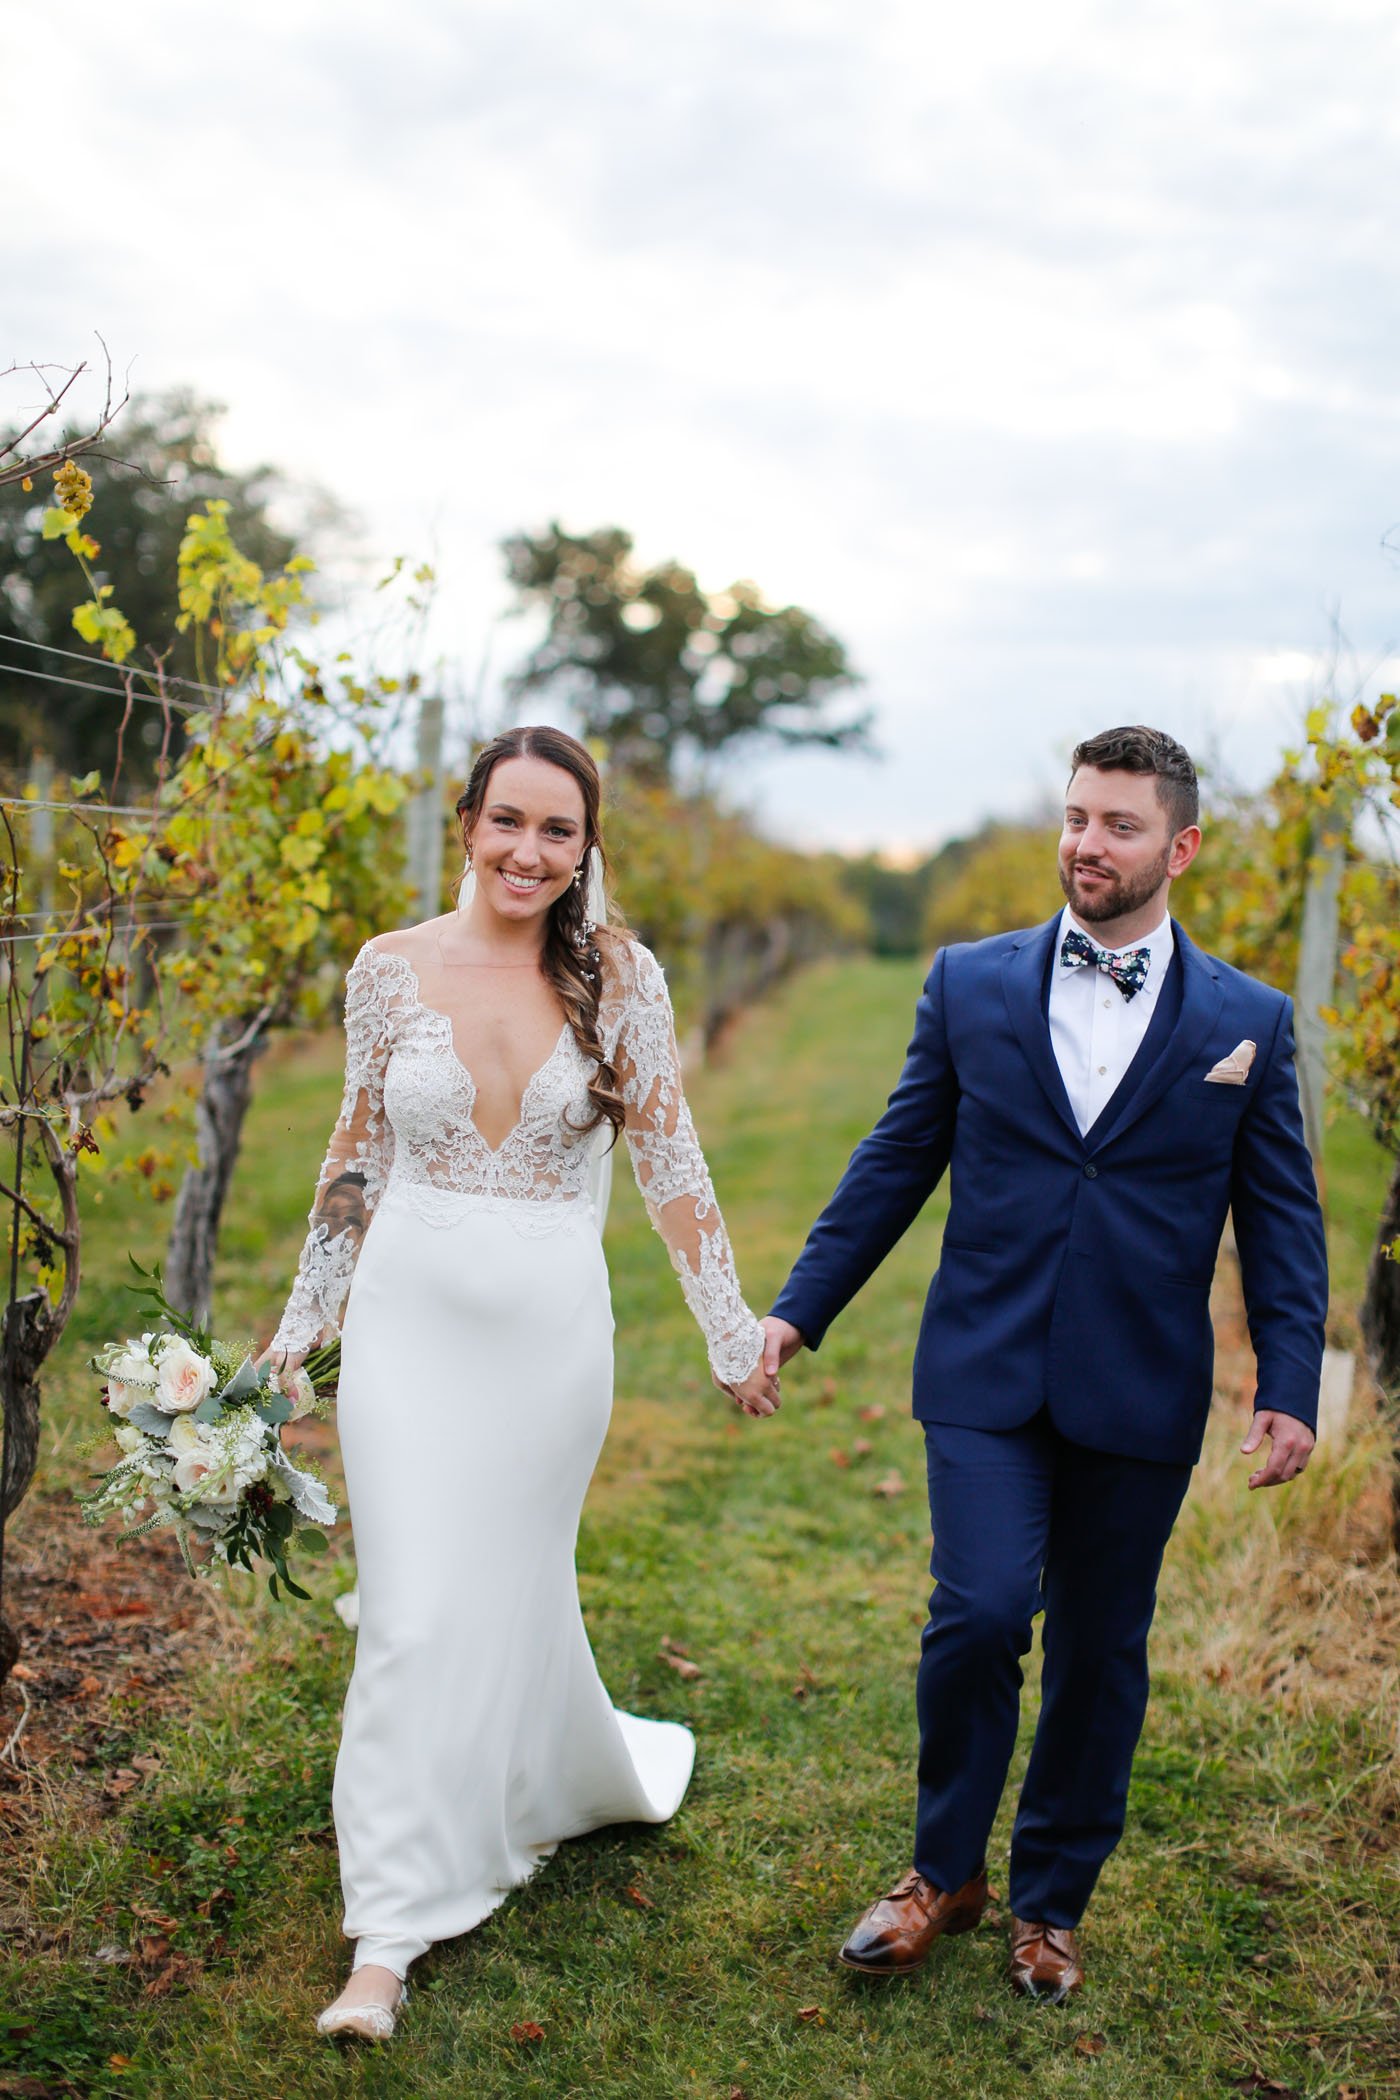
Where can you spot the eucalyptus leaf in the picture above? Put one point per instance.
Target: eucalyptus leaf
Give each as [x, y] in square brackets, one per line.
[308, 1497]
[209, 1409]
[275, 1410]
[244, 1382]
[312, 1540]
[144, 1415]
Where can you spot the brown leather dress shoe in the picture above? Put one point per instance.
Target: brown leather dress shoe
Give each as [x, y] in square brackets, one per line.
[896, 1933]
[1045, 1961]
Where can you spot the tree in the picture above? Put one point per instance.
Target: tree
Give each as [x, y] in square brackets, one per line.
[659, 670]
[168, 465]
[1002, 877]
[1357, 764]
[274, 840]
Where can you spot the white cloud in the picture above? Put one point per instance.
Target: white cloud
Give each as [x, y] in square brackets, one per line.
[1047, 354]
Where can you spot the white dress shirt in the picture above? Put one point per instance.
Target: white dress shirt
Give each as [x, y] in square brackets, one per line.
[1095, 1032]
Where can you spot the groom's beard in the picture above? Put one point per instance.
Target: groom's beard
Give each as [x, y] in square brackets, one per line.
[1118, 895]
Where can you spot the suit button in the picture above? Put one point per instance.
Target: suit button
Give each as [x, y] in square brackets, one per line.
[1091, 1172]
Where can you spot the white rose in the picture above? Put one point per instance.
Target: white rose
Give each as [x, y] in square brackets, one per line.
[194, 1468]
[128, 1439]
[131, 1364]
[299, 1390]
[183, 1378]
[122, 1398]
[185, 1435]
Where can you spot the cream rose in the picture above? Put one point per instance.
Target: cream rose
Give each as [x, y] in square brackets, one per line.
[122, 1398]
[185, 1435]
[299, 1390]
[128, 1439]
[194, 1468]
[183, 1377]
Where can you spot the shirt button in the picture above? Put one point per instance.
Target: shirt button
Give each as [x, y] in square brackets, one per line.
[1107, 1004]
[1102, 1070]
[1091, 1172]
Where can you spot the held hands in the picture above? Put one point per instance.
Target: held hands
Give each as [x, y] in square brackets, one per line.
[781, 1342]
[759, 1392]
[1290, 1447]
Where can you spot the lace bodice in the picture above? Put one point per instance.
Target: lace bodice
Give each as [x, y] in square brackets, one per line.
[406, 1126]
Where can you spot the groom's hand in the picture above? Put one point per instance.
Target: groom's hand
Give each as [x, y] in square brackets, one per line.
[1290, 1447]
[781, 1340]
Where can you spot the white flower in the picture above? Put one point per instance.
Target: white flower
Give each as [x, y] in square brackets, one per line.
[128, 1438]
[183, 1377]
[121, 1398]
[194, 1468]
[185, 1435]
[299, 1390]
[130, 1362]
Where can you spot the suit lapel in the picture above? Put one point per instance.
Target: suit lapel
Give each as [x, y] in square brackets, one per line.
[1023, 979]
[1202, 995]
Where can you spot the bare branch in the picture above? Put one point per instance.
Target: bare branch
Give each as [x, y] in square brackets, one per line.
[26, 466]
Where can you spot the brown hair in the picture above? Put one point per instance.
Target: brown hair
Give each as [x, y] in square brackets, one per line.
[573, 947]
[1141, 750]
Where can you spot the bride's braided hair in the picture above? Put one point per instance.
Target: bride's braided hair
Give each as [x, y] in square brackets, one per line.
[573, 947]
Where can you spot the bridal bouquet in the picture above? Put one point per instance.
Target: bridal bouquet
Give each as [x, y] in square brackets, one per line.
[198, 1426]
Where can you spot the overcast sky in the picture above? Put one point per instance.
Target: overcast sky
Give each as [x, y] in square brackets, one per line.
[1047, 353]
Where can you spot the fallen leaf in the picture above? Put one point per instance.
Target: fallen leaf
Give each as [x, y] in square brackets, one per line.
[639, 1897]
[89, 1687]
[874, 1413]
[1256, 2082]
[839, 1458]
[862, 1447]
[119, 2063]
[806, 1682]
[1090, 2044]
[25, 1675]
[527, 2031]
[812, 2014]
[892, 1484]
[679, 1660]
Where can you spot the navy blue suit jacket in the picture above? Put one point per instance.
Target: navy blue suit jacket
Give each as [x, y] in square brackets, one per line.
[1076, 1270]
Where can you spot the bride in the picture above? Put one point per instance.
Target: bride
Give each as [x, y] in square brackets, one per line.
[490, 1054]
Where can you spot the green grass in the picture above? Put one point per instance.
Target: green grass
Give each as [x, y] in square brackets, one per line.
[1242, 1930]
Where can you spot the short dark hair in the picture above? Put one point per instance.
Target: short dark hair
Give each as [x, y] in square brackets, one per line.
[1142, 750]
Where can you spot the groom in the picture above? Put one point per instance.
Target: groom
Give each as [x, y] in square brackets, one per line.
[1102, 1092]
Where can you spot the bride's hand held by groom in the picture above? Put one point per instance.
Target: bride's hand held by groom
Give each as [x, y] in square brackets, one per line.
[759, 1394]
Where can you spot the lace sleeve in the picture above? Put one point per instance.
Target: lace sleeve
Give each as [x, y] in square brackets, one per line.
[355, 1170]
[672, 1175]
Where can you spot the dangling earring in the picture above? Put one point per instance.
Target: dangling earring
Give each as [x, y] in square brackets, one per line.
[578, 874]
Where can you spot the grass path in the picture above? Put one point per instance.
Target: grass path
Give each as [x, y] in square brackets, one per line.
[1241, 1934]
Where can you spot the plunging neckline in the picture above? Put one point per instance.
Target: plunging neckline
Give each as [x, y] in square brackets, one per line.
[436, 1013]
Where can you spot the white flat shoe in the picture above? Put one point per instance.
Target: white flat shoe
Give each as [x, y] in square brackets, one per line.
[364, 2023]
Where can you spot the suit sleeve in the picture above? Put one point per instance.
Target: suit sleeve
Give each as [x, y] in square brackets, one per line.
[1280, 1237]
[891, 1175]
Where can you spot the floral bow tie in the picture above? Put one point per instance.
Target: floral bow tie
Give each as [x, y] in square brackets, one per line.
[1128, 970]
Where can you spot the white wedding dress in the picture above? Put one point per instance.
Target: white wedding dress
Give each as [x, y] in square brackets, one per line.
[475, 1390]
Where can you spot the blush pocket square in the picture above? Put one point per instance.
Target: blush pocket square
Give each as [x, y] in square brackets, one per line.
[1234, 1069]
